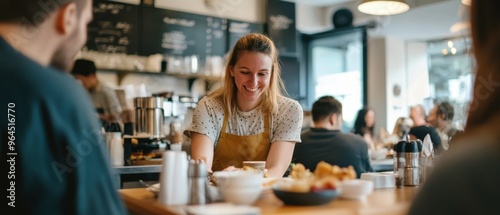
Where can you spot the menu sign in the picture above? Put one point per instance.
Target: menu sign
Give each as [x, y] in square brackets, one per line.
[238, 29]
[216, 36]
[114, 28]
[281, 25]
[183, 34]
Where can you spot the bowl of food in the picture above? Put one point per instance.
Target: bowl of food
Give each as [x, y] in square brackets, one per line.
[307, 188]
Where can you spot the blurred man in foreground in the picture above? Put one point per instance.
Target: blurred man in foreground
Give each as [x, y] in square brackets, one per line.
[50, 137]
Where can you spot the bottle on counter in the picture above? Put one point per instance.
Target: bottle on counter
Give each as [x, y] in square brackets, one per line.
[407, 162]
[176, 135]
[114, 144]
[412, 164]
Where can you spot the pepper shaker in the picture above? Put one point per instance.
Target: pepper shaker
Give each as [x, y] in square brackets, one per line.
[399, 162]
[197, 173]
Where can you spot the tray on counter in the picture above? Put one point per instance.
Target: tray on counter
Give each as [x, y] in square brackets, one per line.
[155, 161]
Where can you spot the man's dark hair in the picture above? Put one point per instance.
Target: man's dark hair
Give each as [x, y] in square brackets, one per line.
[324, 107]
[33, 12]
[445, 109]
[84, 67]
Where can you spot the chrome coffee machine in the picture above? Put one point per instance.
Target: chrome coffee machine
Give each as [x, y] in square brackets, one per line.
[149, 116]
[148, 140]
[177, 108]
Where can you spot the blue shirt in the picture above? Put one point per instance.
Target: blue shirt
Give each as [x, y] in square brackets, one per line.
[52, 138]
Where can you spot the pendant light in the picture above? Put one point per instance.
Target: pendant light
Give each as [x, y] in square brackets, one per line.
[464, 24]
[383, 7]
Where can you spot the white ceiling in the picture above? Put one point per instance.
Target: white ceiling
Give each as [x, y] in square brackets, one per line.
[426, 19]
[428, 22]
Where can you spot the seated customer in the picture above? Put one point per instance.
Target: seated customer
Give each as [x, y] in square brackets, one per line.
[421, 128]
[441, 117]
[402, 127]
[325, 141]
[364, 125]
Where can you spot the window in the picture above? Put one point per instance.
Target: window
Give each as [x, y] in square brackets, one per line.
[337, 67]
[451, 74]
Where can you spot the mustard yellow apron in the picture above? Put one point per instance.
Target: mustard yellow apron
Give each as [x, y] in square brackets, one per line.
[232, 150]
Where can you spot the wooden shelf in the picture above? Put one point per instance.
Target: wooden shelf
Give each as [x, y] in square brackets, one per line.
[191, 77]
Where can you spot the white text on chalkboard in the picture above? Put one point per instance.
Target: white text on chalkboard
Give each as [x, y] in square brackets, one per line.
[181, 22]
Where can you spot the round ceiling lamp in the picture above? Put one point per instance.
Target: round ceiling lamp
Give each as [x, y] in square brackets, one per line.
[466, 2]
[383, 7]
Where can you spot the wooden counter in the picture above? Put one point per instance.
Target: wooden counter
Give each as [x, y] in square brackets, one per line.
[386, 201]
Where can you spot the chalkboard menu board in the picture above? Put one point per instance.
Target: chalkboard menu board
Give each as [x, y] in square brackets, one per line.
[114, 28]
[216, 36]
[281, 26]
[183, 34]
[238, 29]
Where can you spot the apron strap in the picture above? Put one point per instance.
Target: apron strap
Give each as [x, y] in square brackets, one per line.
[266, 125]
[224, 123]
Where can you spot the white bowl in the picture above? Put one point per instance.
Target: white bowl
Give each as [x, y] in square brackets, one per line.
[355, 189]
[241, 195]
[240, 179]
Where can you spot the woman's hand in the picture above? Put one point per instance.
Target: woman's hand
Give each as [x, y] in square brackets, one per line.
[279, 158]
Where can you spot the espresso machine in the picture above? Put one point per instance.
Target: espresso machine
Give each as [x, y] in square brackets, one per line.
[149, 116]
[149, 140]
[176, 109]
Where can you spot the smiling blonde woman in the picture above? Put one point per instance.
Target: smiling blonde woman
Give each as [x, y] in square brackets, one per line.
[247, 118]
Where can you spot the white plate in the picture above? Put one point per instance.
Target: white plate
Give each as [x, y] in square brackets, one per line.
[213, 191]
[267, 184]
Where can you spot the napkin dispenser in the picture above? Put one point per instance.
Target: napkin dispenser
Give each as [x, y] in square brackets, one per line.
[380, 179]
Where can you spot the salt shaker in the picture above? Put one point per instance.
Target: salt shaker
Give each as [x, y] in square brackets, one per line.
[197, 182]
[399, 162]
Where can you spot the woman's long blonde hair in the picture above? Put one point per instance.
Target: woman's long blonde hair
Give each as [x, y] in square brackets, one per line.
[258, 43]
